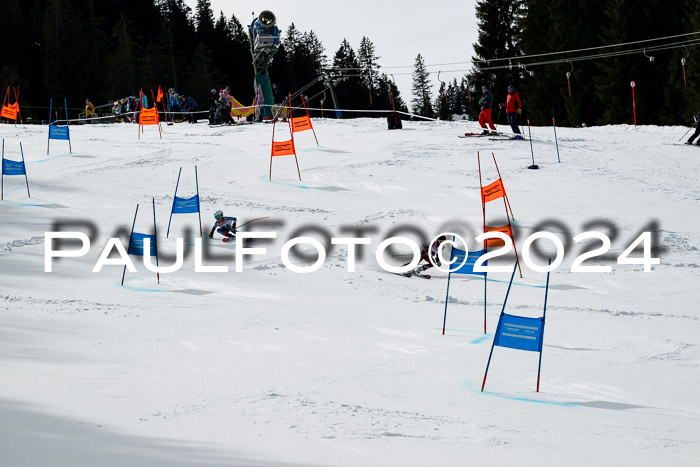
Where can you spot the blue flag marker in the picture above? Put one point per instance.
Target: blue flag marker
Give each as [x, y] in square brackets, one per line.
[519, 332]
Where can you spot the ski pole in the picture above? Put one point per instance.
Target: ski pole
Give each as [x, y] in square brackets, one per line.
[696, 123]
[258, 219]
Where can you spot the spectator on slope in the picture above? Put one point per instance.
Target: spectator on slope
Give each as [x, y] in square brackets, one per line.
[226, 226]
[173, 104]
[190, 108]
[513, 107]
[224, 107]
[486, 103]
[697, 131]
[89, 109]
[213, 107]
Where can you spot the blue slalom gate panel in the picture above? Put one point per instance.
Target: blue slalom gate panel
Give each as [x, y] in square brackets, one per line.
[10, 167]
[517, 332]
[186, 205]
[468, 266]
[59, 132]
[136, 244]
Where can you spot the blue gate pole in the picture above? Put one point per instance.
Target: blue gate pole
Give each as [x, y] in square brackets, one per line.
[48, 141]
[447, 294]
[483, 383]
[132, 233]
[25, 170]
[65, 105]
[174, 199]
[554, 124]
[155, 236]
[199, 211]
[544, 314]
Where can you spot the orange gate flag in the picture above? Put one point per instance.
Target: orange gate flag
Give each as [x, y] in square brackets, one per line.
[10, 111]
[148, 116]
[493, 191]
[301, 124]
[283, 148]
[494, 242]
[159, 96]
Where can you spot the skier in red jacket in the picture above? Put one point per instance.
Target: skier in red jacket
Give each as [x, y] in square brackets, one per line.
[513, 107]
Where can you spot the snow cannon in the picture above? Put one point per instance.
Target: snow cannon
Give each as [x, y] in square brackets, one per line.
[264, 31]
[264, 42]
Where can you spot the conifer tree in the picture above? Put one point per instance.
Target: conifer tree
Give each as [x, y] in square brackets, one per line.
[422, 100]
[499, 37]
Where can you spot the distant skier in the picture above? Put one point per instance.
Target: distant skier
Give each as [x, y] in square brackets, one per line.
[226, 226]
[486, 102]
[697, 131]
[426, 254]
[513, 107]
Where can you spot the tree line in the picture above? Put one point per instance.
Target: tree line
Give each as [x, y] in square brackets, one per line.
[600, 91]
[104, 50]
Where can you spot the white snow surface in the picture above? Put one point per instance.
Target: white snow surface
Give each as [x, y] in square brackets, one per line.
[271, 367]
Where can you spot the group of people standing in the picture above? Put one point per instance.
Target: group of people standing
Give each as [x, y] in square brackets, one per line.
[513, 106]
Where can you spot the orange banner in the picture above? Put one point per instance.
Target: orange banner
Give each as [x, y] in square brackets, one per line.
[10, 111]
[494, 242]
[159, 96]
[148, 116]
[492, 191]
[283, 148]
[301, 124]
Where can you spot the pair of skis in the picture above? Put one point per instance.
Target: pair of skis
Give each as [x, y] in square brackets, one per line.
[479, 135]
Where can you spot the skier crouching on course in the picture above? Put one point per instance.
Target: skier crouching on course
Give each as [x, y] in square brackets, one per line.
[226, 226]
[486, 103]
[513, 107]
[697, 131]
[426, 254]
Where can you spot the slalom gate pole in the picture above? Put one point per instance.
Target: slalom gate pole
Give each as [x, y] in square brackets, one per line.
[307, 116]
[556, 141]
[132, 233]
[291, 133]
[155, 235]
[65, 106]
[634, 105]
[481, 193]
[447, 295]
[138, 117]
[544, 314]
[484, 303]
[155, 106]
[2, 171]
[199, 210]
[18, 109]
[483, 383]
[504, 189]
[48, 141]
[25, 170]
[272, 149]
[174, 198]
[532, 152]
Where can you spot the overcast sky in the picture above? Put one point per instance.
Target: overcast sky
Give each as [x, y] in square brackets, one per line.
[441, 31]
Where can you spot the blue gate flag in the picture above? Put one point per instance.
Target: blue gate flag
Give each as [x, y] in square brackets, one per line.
[468, 266]
[136, 244]
[59, 132]
[186, 205]
[10, 167]
[518, 332]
